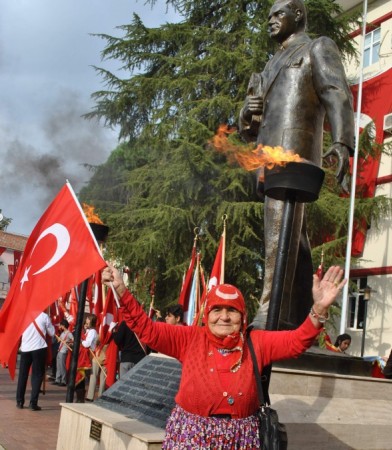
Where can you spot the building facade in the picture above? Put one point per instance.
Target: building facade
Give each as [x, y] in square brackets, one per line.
[11, 249]
[369, 310]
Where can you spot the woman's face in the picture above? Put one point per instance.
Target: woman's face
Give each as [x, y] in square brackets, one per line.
[344, 345]
[223, 321]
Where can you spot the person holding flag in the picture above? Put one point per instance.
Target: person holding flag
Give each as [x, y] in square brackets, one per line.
[33, 355]
[217, 404]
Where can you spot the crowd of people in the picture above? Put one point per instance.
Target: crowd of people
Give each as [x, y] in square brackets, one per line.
[92, 365]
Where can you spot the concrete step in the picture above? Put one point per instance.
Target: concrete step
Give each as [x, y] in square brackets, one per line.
[327, 411]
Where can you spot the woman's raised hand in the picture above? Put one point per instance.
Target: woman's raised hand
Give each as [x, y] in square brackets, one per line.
[326, 290]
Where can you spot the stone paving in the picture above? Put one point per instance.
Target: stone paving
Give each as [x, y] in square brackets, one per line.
[23, 429]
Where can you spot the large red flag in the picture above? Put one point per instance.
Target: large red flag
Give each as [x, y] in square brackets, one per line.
[217, 273]
[73, 302]
[109, 315]
[60, 253]
[218, 269]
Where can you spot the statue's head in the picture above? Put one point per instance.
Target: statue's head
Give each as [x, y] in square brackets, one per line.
[286, 17]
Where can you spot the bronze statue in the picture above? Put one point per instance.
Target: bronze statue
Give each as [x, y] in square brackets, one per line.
[286, 106]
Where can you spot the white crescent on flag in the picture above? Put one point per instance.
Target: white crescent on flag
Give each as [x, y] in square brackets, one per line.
[63, 239]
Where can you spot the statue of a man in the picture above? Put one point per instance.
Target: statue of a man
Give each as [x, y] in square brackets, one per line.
[286, 106]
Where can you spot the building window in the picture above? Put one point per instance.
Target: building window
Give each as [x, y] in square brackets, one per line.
[372, 47]
[356, 305]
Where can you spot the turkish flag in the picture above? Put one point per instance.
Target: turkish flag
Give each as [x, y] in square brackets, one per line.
[217, 276]
[17, 257]
[73, 301]
[97, 297]
[187, 284]
[11, 272]
[111, 363]
[60, 253]
[218, 269]
[109, 315]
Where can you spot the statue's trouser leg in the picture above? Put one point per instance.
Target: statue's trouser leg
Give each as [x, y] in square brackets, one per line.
[273, 212]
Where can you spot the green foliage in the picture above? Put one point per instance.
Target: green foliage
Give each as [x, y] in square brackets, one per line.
[4, 222]
[180, 82]
[325, 18]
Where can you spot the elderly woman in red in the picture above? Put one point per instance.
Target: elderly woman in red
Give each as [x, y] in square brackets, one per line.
[217, 401]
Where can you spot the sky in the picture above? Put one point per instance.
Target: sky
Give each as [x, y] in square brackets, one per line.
[46, 81]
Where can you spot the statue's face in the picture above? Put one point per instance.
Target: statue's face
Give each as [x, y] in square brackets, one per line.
[282, 21]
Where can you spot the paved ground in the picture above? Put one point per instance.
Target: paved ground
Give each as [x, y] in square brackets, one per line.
[22, 429]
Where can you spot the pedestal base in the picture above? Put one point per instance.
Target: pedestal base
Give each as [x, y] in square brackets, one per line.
[321, 410]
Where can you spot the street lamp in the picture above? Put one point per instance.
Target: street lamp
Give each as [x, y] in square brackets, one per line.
[366, 297]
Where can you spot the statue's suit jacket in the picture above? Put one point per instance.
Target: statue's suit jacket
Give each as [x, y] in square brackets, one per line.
[300, 85]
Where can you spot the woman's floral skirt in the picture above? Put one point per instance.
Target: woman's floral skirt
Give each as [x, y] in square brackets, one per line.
[190, 431]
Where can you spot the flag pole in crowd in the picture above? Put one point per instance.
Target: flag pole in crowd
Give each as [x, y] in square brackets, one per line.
[320, 268]
[76, 346]
[188, 279]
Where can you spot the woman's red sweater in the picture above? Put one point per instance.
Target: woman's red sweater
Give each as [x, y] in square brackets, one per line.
[200, 391]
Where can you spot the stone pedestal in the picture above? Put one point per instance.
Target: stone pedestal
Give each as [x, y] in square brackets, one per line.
[147, 391]
[321, 410]
[91, 427]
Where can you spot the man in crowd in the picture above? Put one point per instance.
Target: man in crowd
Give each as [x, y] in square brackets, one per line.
[65, 339]
[33, 355]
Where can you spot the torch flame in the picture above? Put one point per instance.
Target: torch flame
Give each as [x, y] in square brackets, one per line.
[90, 214]
[248, 157]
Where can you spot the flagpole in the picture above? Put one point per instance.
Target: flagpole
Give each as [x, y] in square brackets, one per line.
[63, 342]
[343, 317]
[76, 346]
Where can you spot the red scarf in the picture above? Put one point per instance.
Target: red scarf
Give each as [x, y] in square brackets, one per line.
[230, 343]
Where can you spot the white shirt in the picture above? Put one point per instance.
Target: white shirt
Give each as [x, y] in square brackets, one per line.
[91, 339]
[32, 339]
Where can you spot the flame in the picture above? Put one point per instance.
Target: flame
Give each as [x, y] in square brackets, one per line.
[90, 214]
[248, 157]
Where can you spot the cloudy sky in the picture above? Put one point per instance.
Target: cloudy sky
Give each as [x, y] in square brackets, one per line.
[46, 80]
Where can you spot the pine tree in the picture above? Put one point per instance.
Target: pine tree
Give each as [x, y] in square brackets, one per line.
[181, 81]
[4, 222]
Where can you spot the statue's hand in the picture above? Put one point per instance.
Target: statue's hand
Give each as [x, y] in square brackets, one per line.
[341, 151]
[253, 106]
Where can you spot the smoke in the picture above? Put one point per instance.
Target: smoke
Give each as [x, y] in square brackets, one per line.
[36, 166]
